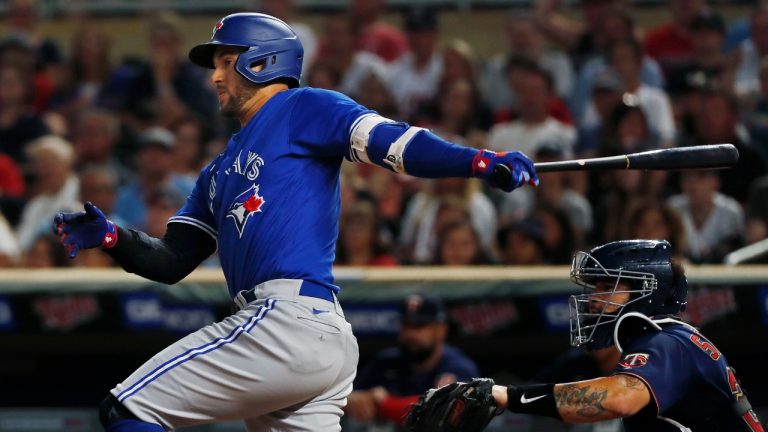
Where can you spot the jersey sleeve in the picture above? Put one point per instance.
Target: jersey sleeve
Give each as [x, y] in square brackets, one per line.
[196, 211]
[662, 363]
[322, 122]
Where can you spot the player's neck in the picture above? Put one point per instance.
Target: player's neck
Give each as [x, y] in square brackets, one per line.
[254, 104]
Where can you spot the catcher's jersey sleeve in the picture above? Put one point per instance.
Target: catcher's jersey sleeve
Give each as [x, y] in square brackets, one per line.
[662, 363]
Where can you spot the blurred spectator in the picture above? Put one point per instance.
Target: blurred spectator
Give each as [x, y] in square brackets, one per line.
[324, 75]
[98, 184]
[559, 240]
[447, 200]
[55, 187]
[22, 24]
[630, 129]
[161, 205]
[153, 162]
[626, 59]
[671, 44]
[10, 252]
[374, 94]
[617, 192]
[88, 72]
[11, 181]
[756, 112]
[535, 127]
[286, 11]
[522, 243]
[656, 220]
[414, 76]
[606, 96]
[618, 26]
[44, 55]
[95, 136]
[188, 157]
[713, 222]
[373, 34]
[459, 245]
[45, 251]
[707, 56]
[524, 40]
[387, 385]
[582, 38]
[716, 121]
[352, 65]
[460, 116]
[752, 51]
[757, 211]
[552, 192]
[167, 88]
[18, 124]
[360, 241]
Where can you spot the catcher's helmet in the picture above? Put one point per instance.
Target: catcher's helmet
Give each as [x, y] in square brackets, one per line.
[266, 40]
[645, 266]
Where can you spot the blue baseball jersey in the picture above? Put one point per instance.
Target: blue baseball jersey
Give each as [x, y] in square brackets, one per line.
[392, 370]
[690, 381]
[271, 200]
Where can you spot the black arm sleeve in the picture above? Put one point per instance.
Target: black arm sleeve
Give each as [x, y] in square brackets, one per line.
[167, 260]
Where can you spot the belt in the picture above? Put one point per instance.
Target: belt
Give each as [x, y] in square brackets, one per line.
[308, 289]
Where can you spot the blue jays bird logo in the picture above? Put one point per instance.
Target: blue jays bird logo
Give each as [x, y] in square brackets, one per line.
[246, 205]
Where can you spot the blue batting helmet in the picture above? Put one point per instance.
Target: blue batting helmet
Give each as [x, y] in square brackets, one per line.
[266, 41]
[651, 286]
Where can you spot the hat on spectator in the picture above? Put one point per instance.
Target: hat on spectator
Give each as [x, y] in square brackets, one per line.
[51, 144]
[421, 19]
[157, 136]
[529, 227]
[422, 308]
[708, 21]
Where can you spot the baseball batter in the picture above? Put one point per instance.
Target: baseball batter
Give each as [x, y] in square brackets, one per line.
[270, 204]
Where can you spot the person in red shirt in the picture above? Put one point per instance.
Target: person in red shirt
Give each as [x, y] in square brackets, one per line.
[11, 182]
[374, 35]
[672, 43]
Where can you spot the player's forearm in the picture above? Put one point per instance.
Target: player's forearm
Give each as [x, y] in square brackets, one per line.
[167, 260]
[589, 401]
[418, 152]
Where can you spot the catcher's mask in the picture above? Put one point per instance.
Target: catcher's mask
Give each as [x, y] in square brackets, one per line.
[632, 275]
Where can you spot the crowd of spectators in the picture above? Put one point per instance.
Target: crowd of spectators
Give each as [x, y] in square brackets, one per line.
[132, 136]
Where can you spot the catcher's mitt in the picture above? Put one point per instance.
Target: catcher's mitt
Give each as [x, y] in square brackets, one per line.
[465, 407]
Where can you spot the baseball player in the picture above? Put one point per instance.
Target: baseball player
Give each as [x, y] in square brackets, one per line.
[270, 204]
[669, 378]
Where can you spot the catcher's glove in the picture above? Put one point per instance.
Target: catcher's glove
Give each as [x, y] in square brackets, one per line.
[465, 407]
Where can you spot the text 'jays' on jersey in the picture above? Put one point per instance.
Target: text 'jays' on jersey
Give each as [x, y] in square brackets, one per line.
[272, 199]
[691, 384]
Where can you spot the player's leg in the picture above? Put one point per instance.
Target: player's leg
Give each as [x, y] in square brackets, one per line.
[262, 359]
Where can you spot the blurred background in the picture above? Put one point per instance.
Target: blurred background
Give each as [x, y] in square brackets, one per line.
[98, 102]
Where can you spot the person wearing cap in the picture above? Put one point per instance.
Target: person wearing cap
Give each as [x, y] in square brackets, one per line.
[55, 186]
[154, 159]
[394, 378]
[415, 75]
[522, 242]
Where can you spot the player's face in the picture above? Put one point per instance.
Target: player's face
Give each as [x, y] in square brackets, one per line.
[606, 300]
[232, 89]
[419, 341]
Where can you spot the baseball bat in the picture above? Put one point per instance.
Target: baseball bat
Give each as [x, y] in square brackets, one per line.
[715, 156]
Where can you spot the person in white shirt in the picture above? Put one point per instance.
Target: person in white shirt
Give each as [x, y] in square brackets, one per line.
[713, 222]
[56, 186]
[752, 53]
[525, 40]
[535, 127]
[414, 77]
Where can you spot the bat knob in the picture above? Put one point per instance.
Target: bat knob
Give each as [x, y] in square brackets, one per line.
[501, 175]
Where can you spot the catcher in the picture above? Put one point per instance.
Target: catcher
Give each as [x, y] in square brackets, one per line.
[670, 377]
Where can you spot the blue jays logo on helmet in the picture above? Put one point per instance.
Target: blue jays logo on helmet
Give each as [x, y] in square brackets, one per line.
[265, 40]
[246, 205]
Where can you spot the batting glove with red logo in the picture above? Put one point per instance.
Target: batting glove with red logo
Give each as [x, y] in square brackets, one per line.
[522, 171]
[85, 230]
